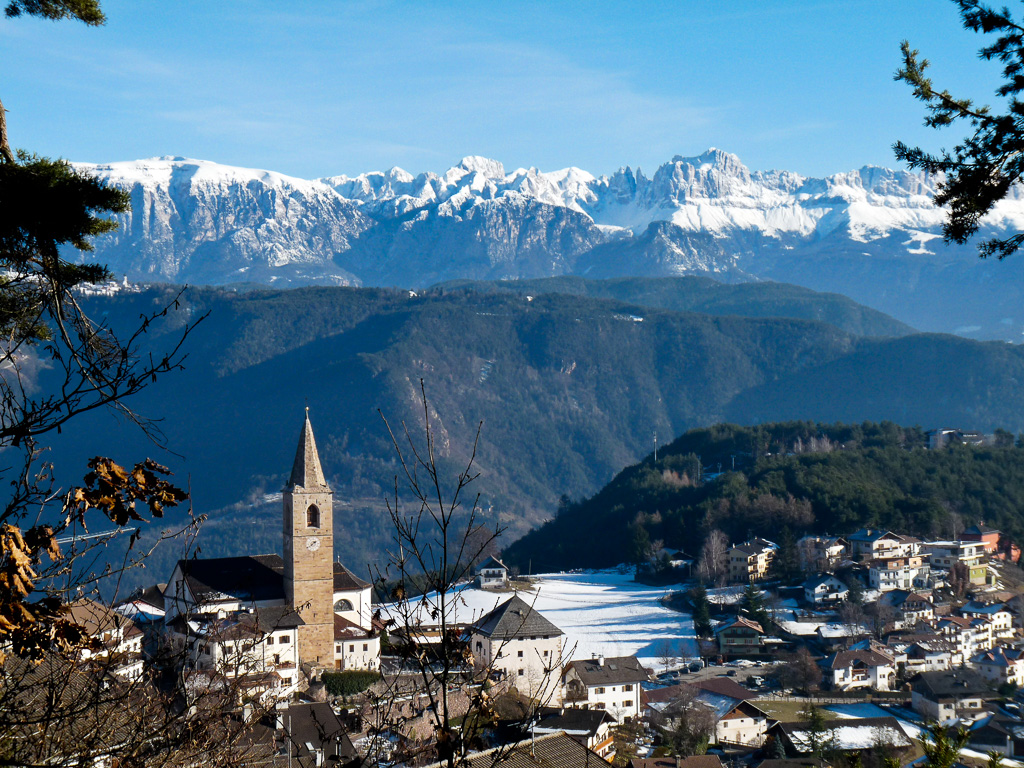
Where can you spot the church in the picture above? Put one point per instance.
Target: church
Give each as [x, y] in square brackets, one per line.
[278, 621]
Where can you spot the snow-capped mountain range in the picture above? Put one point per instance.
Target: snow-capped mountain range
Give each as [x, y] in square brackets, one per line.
[872, 234]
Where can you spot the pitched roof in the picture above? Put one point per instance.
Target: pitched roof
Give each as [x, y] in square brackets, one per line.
[347, 630]
[870, 535]
[950, 684]
[514, 618]
[613, 670]
[739, 621]
[346, 581]
[982, 609]
[306, 470]
[491, 562]
[980, 529]
[725, 687]
[860, 733]
[827, 578]
[314, 726]
[846, 659]
[1000, 657]
[96, 618]
[555, 750]
[573, 720]
[251, 578]
[692, 761]
[755, 546]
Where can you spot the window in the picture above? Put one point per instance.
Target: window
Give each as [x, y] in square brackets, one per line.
[522, 672]
[270, 640]
[629, 703]
[351, 648]
[366, 646]
[285, 639]
[312, 517]
[545, 653]
[343, 605]
[520, 654]
[286, 680]
[479, 645]
[598, 705]
[337, 649]
[277, 658]
[627, 687]
[600, 690]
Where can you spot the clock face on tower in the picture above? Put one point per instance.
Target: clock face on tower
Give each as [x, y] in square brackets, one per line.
[313, 544]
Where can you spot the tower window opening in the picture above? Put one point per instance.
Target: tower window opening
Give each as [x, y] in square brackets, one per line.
[313, 517]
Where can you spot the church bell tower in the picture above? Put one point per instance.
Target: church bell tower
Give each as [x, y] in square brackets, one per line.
[309, 552]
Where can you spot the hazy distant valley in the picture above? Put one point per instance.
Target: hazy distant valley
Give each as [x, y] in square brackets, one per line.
[570, 386]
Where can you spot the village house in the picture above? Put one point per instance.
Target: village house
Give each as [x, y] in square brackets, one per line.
[261, 645]
[1000, 665]
[738, 721]
[492, 574]
[590, 727]
[851, 670]
[970, 635]
[740, 638]
[984, 535]
[899, 572]
[998, 615]
[741, 723]
[943, 555]
[910, 608]
[945, 696]
[355, 647]
[825, 589]
[749, 561]
[871, 544]
[515, 641]
[929, 653]
[611, 684]
[820, 554]
[118, 640]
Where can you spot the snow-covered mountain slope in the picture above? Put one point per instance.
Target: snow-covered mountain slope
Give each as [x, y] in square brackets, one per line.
[872, 234]
[200, 222]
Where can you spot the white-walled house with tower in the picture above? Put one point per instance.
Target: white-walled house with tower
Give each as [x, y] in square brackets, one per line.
[291, 617]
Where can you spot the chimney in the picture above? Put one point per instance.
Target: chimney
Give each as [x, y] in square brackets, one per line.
[600, 659]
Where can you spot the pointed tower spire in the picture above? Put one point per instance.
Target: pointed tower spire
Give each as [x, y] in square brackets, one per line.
[306, 471]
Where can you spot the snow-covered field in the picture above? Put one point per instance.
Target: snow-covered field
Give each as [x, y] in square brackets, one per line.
[601, 612]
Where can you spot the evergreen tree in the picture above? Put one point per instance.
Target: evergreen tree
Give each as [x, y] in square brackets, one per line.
[786, 562]
[752, 604]
[856, 593]
[942, 745]
[981, 170]
[701, 611]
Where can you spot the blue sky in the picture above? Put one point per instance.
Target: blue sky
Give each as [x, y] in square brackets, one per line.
[322, 88]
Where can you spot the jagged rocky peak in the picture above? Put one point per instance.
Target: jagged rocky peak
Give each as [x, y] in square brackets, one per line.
[491, 169]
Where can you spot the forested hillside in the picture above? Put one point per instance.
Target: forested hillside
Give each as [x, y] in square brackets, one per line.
[694, 293]
[801, 476]
[570, 390]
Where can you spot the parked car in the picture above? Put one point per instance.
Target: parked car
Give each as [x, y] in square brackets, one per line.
[696, 666]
